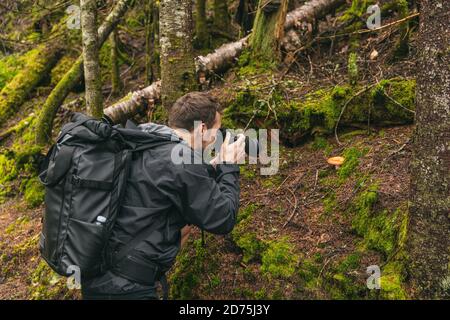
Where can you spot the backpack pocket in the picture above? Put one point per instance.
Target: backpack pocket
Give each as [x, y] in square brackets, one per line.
[85, 252]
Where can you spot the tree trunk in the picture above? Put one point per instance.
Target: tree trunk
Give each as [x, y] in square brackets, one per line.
[92, 77]
[152, 42]
[177, 59]
[201, 29]
[73, 76]
[429, 221]
[116, 82]
[222, 21]
[268, 30]
[39, 63]
[133, 104]
[309, 12]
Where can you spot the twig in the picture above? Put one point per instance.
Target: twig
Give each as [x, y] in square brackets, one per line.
[293, 211]
[372, 30]
[345, 106]
[398, 103]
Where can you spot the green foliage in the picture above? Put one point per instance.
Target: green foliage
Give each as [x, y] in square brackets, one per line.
[280, 259]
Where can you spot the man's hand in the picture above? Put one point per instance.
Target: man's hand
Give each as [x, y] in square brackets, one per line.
[231, 153]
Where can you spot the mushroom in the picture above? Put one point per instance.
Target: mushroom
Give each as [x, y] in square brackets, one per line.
[336, 161]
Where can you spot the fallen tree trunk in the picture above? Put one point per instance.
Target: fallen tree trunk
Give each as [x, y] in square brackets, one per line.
[225, 56]
[309, 13]
[38, 64]
[389, 102]
[73, 76]
[133, 104]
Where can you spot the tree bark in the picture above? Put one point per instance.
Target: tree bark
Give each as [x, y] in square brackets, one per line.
[152, 42]
[116, 82]
[222, 21]
[73, 76]
[268, 30]
[134, 103]
[201, 29]
[177, 59]
[307, 13]
[92, 77]
[429, 220]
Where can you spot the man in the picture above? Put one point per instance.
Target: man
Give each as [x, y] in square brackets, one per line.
[163, 196]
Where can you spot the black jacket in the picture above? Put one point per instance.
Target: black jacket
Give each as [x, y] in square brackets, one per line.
[165, 197]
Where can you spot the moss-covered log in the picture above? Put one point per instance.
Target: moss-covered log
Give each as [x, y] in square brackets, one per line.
[389, 102]
[39, 62]
[73, 76]
[134, 103]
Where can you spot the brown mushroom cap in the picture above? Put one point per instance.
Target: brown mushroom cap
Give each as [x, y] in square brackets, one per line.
[336, 161]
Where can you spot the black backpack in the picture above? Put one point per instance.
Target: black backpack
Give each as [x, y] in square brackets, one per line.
[85, 174]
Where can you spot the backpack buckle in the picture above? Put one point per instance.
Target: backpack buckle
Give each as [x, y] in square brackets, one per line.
[76, 180]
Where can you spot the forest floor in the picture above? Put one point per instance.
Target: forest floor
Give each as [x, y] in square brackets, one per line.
[299, 212]
[308, 232]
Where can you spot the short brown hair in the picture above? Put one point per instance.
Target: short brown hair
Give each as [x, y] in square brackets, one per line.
[194, 106]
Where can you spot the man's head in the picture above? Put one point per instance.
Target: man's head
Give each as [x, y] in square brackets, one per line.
[197, 113]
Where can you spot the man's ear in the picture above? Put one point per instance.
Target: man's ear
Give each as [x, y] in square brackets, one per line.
[204, 128]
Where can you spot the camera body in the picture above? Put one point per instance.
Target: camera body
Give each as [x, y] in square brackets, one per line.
[251, 145]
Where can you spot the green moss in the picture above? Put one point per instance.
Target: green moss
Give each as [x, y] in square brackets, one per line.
[251, 246]
[248, 172]
[352, 68]
[17, 224]
[34, 192]
[330, 203]
[248, 65]
[21, 157]
[280, 259]
[351, 156]
[47, 285]
[190, 268]
[9, 67]
[247, 241]
[38, 63]
[298, 119]
[356, 10]
[319, 143]
[392, 279]
[61, 68]
[383, 231]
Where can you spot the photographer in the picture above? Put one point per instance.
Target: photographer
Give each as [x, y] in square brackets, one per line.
[163, 198]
